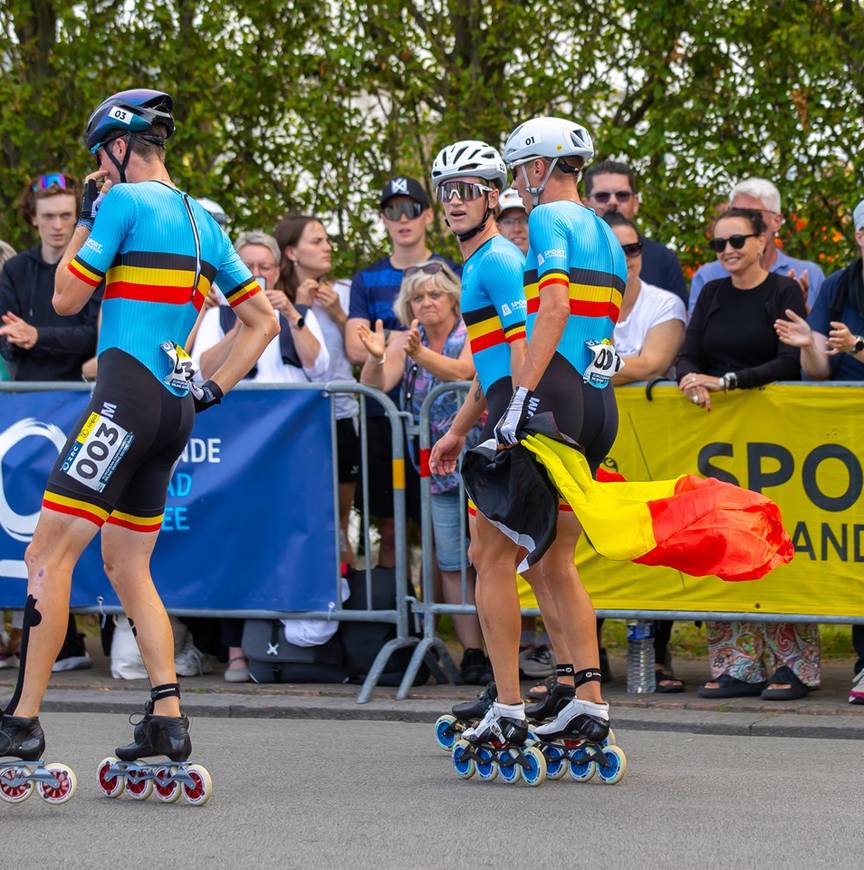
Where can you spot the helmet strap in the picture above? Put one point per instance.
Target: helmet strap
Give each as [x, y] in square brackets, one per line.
[469, 234]
[121, 166]
[537, 192]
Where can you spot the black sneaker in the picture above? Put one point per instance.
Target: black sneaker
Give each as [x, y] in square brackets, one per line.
[73, 655]
[475, 669]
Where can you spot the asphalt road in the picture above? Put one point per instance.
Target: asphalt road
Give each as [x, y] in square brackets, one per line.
[334, 794]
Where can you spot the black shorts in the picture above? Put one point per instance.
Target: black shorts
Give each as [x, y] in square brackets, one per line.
[347, 450]
[497, 399]
[117, 463]
[379, 445]
[587, 415]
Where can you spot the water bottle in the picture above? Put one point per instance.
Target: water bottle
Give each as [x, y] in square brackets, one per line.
[640, 657]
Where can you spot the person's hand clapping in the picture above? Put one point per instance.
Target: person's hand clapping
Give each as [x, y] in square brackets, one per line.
[374, 342]
[413, 344]
[18, 331]
[794, 331]
[840, 339]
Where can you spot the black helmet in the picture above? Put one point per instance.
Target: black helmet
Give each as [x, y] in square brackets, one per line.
[135, 112]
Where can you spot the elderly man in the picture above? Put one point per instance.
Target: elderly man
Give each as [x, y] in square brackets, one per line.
[759, 194]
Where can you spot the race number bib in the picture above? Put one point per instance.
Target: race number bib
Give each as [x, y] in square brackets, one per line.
[182, 368]
[97, 451]
[605, 362]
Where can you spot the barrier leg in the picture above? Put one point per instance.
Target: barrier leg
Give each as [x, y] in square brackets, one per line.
[380, 663]
[447, 668]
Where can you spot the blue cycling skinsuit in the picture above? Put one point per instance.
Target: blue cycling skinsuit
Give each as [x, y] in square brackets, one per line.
[570, 246]
[493, 308]
[158, 252]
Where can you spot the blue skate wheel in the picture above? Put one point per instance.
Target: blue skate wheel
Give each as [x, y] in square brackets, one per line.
[487, 767]
[508, 768]
[582, 771]
[463, 762]
[534, 766]
[609, 739]
[445, 732]
[613, 766]
[556, 761]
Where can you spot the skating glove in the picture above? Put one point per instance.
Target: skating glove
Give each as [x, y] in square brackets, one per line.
[90, 203]
[206, 395]
[523, 404]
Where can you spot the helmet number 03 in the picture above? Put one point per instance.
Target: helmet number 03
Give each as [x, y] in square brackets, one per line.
[120, 115]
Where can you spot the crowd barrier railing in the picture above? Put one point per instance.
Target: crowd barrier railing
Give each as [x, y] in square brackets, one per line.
[399, 614]
[755, 474]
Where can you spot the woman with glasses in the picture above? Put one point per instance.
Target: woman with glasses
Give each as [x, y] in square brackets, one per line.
[512, 219]
[434, 350]
[731, 344]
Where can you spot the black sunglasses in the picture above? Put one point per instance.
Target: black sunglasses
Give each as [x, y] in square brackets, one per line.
[632, 250]
[603, 196]
[718, 245]
[432, 268]
[393, 211]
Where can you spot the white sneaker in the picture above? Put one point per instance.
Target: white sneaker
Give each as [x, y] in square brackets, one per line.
[126, 662]
[856, 695]
[567, 714]
[537, 662]
[191, 662]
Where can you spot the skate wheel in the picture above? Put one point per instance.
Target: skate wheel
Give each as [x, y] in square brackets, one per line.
[487, 767]
[110, 784]
[610, 739]
[534, 767]
[532, 739]
[12, 790]
[166, 787]
[508, 768]
[463, 763]
[445, 732]
[67, 783]
[556, 762]
[139, 785]
[202, 790]
[582, 771]
[613, 766]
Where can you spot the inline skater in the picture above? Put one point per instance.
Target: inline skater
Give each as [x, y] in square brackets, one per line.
[158, 252]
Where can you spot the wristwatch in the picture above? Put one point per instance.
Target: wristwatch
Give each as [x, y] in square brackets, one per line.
[730, 381]
[858, 346]
[300, 323]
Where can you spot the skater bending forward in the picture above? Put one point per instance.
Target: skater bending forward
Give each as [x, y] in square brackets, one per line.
[158, 253]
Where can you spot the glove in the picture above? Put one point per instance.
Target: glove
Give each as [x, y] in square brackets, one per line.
[523, 404]
[90, 203]
[206, 395]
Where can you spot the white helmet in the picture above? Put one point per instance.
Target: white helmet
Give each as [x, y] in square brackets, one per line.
[214, 209]
[469, 157]
[550, 138]
[510, 199]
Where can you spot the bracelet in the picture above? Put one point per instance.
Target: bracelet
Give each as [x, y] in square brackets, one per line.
[377, 362]
[730, 381]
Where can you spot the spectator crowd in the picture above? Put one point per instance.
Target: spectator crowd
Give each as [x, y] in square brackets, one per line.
[752, 316]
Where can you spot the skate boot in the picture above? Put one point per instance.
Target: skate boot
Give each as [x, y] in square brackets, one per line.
[24, 739]
[449, 727]
[555, 699]
[578, 740]
[496, 746]
[155, 736]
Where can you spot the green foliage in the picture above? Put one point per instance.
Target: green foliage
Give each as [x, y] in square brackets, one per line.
[310, 106]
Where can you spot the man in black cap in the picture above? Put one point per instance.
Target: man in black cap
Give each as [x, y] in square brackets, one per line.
[406, 213]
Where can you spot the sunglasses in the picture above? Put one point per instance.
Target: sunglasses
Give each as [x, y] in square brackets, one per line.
[603, 196]
[432, 268]
[718, 245]
[52, 179]
[466, 191]
[513, 222]
[410, 208]
[632, 250]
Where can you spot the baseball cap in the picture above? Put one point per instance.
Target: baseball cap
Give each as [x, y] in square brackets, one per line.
[510, 199]
[858, 215]
[402, 185]
[216, 210]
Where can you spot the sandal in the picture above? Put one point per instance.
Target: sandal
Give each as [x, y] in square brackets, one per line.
[673, 684]
[794, 688]
[731, 687]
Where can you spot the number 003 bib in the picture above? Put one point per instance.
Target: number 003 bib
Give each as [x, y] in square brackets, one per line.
[97, 451]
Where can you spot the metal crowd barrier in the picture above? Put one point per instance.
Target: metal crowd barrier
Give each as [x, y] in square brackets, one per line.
[399, 615]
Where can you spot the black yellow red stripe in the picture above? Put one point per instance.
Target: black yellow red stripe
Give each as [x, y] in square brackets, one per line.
[135, 523]
[587, 297]
[148, 284]
[242, 292]
[74, 507]
[85, 273]
[515, 332]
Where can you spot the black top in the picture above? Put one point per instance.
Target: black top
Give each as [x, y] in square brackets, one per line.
[661, 268]
[63, 344]
[732, 330]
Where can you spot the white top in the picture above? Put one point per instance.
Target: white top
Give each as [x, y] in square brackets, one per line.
[340, 369]
[271, 369]
[653, 307]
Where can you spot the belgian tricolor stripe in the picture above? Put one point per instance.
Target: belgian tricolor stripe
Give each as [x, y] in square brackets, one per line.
[147, 284]
[74, 507]
[135, 523]
[586, 300]
[85, 273]
[515, 332]
[242, 292]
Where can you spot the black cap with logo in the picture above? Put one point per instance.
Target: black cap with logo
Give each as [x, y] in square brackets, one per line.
[401, 185]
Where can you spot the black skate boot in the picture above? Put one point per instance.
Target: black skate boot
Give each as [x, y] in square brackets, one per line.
[449, 727]
[24, 739]
[496, 746]
[558, 697]
[155, 736]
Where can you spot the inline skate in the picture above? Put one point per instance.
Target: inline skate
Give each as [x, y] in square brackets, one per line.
[154, 736]
[496, 746]
[23, 738]
[449, 727]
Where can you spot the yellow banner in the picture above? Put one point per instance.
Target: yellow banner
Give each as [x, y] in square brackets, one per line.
[799, 445]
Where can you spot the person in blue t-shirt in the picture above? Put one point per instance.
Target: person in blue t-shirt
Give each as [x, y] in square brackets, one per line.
[407, 214]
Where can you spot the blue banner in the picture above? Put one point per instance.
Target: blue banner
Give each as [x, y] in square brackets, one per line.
[250, 519]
